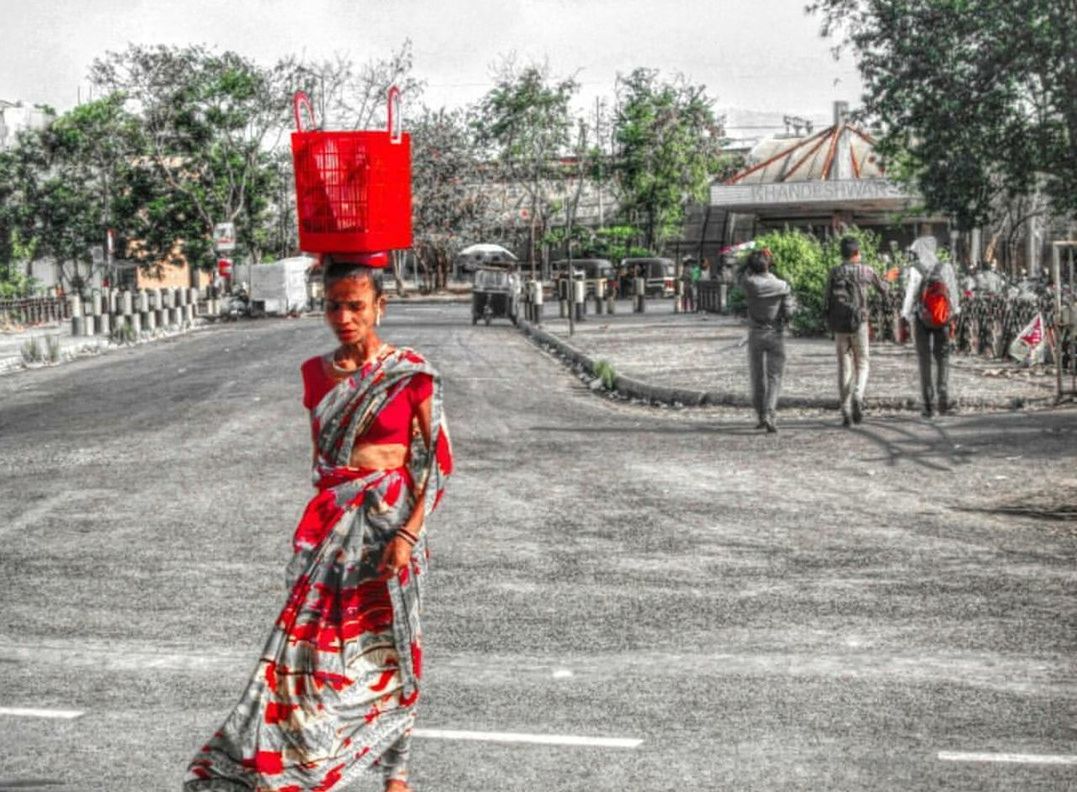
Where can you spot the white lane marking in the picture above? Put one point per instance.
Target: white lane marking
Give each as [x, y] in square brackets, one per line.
[562, 673]
[535, 739]
[1011, 758]
[22, 712]
[33, 513]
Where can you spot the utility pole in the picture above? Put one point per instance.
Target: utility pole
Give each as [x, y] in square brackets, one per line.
[601, 154]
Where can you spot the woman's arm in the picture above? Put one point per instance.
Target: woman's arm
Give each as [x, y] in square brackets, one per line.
[398, 551]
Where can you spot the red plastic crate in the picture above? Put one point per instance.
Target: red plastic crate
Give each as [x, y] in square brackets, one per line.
[353, 189]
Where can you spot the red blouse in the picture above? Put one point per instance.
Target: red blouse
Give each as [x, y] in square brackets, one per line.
[392, 424]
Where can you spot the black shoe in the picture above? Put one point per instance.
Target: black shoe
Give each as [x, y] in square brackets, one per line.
[858, 411]
[927, 412]
[947, 407]
[845, 419]
[770, 427]
[762, 424]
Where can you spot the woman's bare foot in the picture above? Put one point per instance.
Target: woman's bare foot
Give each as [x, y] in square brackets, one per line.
[396, 785]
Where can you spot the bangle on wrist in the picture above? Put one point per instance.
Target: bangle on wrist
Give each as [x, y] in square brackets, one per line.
[407, 536]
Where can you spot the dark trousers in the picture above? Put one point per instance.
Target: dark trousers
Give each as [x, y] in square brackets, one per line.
[766, 363]
[933, 343]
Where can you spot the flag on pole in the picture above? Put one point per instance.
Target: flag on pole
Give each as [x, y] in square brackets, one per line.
[1028, 347]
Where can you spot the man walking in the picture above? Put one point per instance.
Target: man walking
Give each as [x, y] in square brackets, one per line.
[845, 306]
[770, 304]
[931, 302]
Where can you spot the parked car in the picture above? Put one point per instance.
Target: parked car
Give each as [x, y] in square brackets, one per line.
[589, 270]
[657, 274]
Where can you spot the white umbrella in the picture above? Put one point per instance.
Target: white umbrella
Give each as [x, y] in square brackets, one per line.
[484, 252]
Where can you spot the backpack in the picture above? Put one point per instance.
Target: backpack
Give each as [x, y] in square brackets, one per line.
[845, 302]
[934, 309]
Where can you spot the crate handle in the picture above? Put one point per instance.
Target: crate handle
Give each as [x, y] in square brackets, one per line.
[396, 123]
[301, 99]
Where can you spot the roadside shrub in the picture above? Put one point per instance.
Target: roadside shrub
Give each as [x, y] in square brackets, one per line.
[805, 263]
[604, 371]
[52, 348]
[31, 351]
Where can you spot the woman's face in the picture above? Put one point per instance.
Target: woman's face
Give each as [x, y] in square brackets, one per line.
[352, 309]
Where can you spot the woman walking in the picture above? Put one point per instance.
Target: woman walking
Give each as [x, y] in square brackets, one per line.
[334, 691]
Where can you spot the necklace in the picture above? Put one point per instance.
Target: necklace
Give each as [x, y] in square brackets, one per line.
[344, 372]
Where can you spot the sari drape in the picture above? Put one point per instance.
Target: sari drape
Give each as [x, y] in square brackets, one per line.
[335, 688]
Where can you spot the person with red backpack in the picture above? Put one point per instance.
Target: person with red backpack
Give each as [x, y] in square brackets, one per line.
[932, 301]
[845, 307]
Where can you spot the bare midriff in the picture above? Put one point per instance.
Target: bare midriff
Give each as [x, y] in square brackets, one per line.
[377, 456]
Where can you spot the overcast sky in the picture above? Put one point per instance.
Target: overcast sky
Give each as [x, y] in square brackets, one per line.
[751, 54]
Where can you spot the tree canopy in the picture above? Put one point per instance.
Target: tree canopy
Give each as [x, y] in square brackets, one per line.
[974, 99]
[669, 148]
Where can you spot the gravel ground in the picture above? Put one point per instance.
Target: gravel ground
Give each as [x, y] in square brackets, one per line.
[701, 352]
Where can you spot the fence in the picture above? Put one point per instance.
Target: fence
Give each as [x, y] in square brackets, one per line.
[34, 310]
[987, 324]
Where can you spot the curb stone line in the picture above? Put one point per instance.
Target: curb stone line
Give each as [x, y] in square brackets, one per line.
[632, 388]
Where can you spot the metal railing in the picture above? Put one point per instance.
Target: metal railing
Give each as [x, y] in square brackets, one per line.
[29, 311]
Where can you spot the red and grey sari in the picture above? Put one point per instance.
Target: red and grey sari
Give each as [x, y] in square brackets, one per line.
[335, 689]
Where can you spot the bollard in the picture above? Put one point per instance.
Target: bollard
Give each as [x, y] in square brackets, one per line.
[175, 317]
[157, 300]
[74, 306]
[112, 298]
[188, 314]
[142, 301]
[137, 322]
[181, 298]
[96, 304]
[610, 303]
[150, 320]
[564, 308]
[126, 303]
[536, 300]
[640, 292]
[600, 290]
[78, 326]
[103, 324]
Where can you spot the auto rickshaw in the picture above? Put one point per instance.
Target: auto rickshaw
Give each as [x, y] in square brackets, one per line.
[495, 294]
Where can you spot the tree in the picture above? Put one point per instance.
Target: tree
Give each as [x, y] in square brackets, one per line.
[973, 98]
[346, 96]
[68, 185]
[211, 122]
[449, 205]
[669, 147]
[525, 121]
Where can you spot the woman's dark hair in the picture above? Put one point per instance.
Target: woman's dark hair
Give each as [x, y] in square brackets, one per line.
[336, 270]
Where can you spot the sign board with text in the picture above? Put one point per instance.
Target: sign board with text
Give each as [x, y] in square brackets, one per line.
[224, 236]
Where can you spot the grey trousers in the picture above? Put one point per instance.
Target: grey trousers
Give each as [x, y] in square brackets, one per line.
[766, 363]
[854, 359]
[933, 343]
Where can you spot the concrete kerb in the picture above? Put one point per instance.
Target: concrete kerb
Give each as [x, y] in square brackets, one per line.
[630, 388]
[75, 349]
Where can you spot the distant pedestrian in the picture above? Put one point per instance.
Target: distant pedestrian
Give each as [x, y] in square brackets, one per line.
[931, 302]
[770, 305]
[688, 297]
[845, 306]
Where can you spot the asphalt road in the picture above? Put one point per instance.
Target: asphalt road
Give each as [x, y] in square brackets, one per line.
[820, 610]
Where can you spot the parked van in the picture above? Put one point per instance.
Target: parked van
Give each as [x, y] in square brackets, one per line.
[589, 270]
[657, 272]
